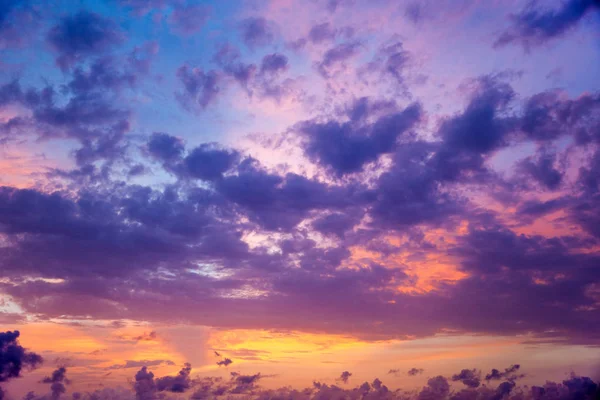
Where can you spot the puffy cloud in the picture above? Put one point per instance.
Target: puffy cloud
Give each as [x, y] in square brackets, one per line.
[176, 384]
[57, 382]
[209, 162]
[345, 376]
[437, 388]
[165, 147]
[347, 147]
[14, 357]
[144, 386]
[469, 377]
[508, 373]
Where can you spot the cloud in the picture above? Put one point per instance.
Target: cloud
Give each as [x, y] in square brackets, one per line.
[543, 170]
[535, 26]
[140, 363]
[176, 384]
[82, 35]
[274, 63]
[200, 88]
[257, 31]
[13, 15]
[323, 32]
[335, 58]
[208, 162]
[469, 377]
[165, 147]
[14, 357]
[347, 147]
[224, 362]
[57, 382]
[508, 373]
[415, 371]
[437, 388]
[345, 376]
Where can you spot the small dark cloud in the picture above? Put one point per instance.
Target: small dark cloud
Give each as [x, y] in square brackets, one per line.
[146, 337]
[535, 26]
[224, 362]
[58, 381]
[14, 357]
[345, 376]
[178, 383]
[469, 377]
[414, 371]
[509, 373]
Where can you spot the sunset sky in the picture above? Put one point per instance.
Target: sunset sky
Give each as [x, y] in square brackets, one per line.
[301, 187]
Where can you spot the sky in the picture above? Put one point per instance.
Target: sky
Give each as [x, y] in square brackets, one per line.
[292, 199]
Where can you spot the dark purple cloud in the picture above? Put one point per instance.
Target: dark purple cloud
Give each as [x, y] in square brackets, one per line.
[176, 384]
[346, 147]
[509, 373]
[144, 385]
[224, 362]
[543, 170]
[82, 35]
[165, 147]
[209, 162]
[345, 376]
[58, 381]
[14, 357]
[479, 128]
[469, 377]
[437, 388]
[535, 26]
